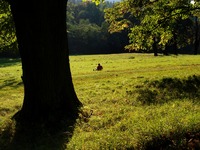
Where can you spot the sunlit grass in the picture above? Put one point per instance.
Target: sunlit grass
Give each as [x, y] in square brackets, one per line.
[11, 90]
[116, 119]
[129, 127]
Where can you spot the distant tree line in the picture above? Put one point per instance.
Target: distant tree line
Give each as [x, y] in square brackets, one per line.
[88, 31]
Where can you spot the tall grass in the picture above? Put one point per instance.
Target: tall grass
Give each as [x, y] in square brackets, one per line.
[137, 101]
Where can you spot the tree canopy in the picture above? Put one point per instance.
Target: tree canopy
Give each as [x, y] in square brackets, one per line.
[88, 31]
[164, 22]
[8, 41]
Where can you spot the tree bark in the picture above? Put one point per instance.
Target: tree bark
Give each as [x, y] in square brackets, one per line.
[197, 40]
[41, 33]
[155, 49]
[175, 48]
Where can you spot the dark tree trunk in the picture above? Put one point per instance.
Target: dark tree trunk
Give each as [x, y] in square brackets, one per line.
[165, 51]
[197, 39]
[175, 48]
[155, 49]
[41, 33]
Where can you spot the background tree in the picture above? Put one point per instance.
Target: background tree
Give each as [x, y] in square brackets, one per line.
[195, 18]
[88, 31]
[154, 19]
[8, 43]
[84, 28]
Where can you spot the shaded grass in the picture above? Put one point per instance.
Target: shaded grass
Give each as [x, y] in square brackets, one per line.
[113, 117]
[166, 89]
[5, 62]
[23, 136]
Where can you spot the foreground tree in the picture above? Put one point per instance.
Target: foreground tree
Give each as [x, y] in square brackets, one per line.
[49, 94]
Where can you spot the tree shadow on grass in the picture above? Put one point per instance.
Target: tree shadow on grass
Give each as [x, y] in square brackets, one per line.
[27, 136]
[5, 62]
[167, 89]
[11, 83]
[175, 141]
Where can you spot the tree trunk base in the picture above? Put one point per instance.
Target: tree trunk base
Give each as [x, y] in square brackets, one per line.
[50, 118]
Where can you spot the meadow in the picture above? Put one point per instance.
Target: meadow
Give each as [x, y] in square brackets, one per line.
[137, 101]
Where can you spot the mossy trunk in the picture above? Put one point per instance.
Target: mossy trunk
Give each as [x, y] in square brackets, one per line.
[41, 33]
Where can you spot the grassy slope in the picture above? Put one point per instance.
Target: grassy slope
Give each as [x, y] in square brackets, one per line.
[118, 119]
[11, 90]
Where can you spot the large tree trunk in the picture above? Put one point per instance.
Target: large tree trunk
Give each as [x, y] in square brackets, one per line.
[41, 33]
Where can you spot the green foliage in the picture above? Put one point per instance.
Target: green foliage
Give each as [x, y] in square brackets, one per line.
[88, 31]
[97, 2]
[164, 20]
[85, 34]
[8, 44]
[116, 17]
[83, 25]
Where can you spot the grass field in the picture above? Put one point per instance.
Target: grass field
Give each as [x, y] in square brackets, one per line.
[137, 101]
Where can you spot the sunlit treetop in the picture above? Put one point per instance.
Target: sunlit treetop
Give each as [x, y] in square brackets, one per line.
[147, 20]
[97, 2]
